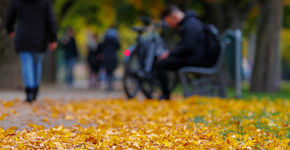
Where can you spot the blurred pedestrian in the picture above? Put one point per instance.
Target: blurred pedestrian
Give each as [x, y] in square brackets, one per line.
[69, 46]
[110, 47]
[94, 59]
[35, 29]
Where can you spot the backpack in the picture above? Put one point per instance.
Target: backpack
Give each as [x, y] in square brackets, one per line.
[212, 45]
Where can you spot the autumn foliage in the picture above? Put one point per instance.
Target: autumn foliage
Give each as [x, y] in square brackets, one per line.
[193, 123]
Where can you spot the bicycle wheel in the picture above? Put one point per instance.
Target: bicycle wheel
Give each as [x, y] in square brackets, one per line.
[130, 81]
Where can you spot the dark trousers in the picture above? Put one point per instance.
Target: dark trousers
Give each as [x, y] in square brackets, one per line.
[110, 78]
[171, 63]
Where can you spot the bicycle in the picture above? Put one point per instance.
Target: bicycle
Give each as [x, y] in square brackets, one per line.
[140, 66]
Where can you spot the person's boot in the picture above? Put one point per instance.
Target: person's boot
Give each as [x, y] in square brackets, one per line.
[34, 93]
[29, 95]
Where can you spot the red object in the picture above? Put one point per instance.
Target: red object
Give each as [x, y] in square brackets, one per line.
[127, 52]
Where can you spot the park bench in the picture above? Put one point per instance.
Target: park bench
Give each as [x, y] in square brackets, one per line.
[206, 81]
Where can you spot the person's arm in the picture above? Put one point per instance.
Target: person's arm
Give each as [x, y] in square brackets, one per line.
[192, 34]
[11, 16]
[51, 23]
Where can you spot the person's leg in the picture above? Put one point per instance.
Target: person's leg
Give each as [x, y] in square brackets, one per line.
[37, 64]
[69, 72]
[102, 78]
[163, 79]
[27, 73]
[38, 67]
[91, 78]
[110, 80]
[171, 63]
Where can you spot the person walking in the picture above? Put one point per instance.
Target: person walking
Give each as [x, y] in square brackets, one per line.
[109, 47]
[68, 44]
[94, 59]
[36, 29]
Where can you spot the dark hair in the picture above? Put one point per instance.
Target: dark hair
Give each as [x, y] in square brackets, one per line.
[170, 9]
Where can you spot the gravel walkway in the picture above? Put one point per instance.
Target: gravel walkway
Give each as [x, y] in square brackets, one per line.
[14, 112]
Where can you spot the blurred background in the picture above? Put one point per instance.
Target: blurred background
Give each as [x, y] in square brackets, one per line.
[93, 17]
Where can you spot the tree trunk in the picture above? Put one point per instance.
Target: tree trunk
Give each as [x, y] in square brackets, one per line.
[229, 14]
[10, 75]
[5, 44]
[267, 69]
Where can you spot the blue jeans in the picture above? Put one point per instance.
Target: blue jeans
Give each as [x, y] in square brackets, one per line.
[70, 63]
[31, 64]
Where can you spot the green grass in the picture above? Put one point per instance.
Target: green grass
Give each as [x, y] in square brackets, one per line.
[247, 94]
[284, 92]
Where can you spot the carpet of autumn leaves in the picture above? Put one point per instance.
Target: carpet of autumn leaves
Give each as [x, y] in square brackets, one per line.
[193, 123]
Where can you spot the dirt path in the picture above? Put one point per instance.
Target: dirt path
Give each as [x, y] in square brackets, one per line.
[15, 112]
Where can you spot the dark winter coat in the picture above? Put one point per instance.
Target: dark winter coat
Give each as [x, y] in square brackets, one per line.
[109, 48]
[35, 24]
[94, 59]
[70, 49]
[192, 42]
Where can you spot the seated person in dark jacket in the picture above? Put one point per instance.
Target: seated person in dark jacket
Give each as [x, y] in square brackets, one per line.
[189, 51]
